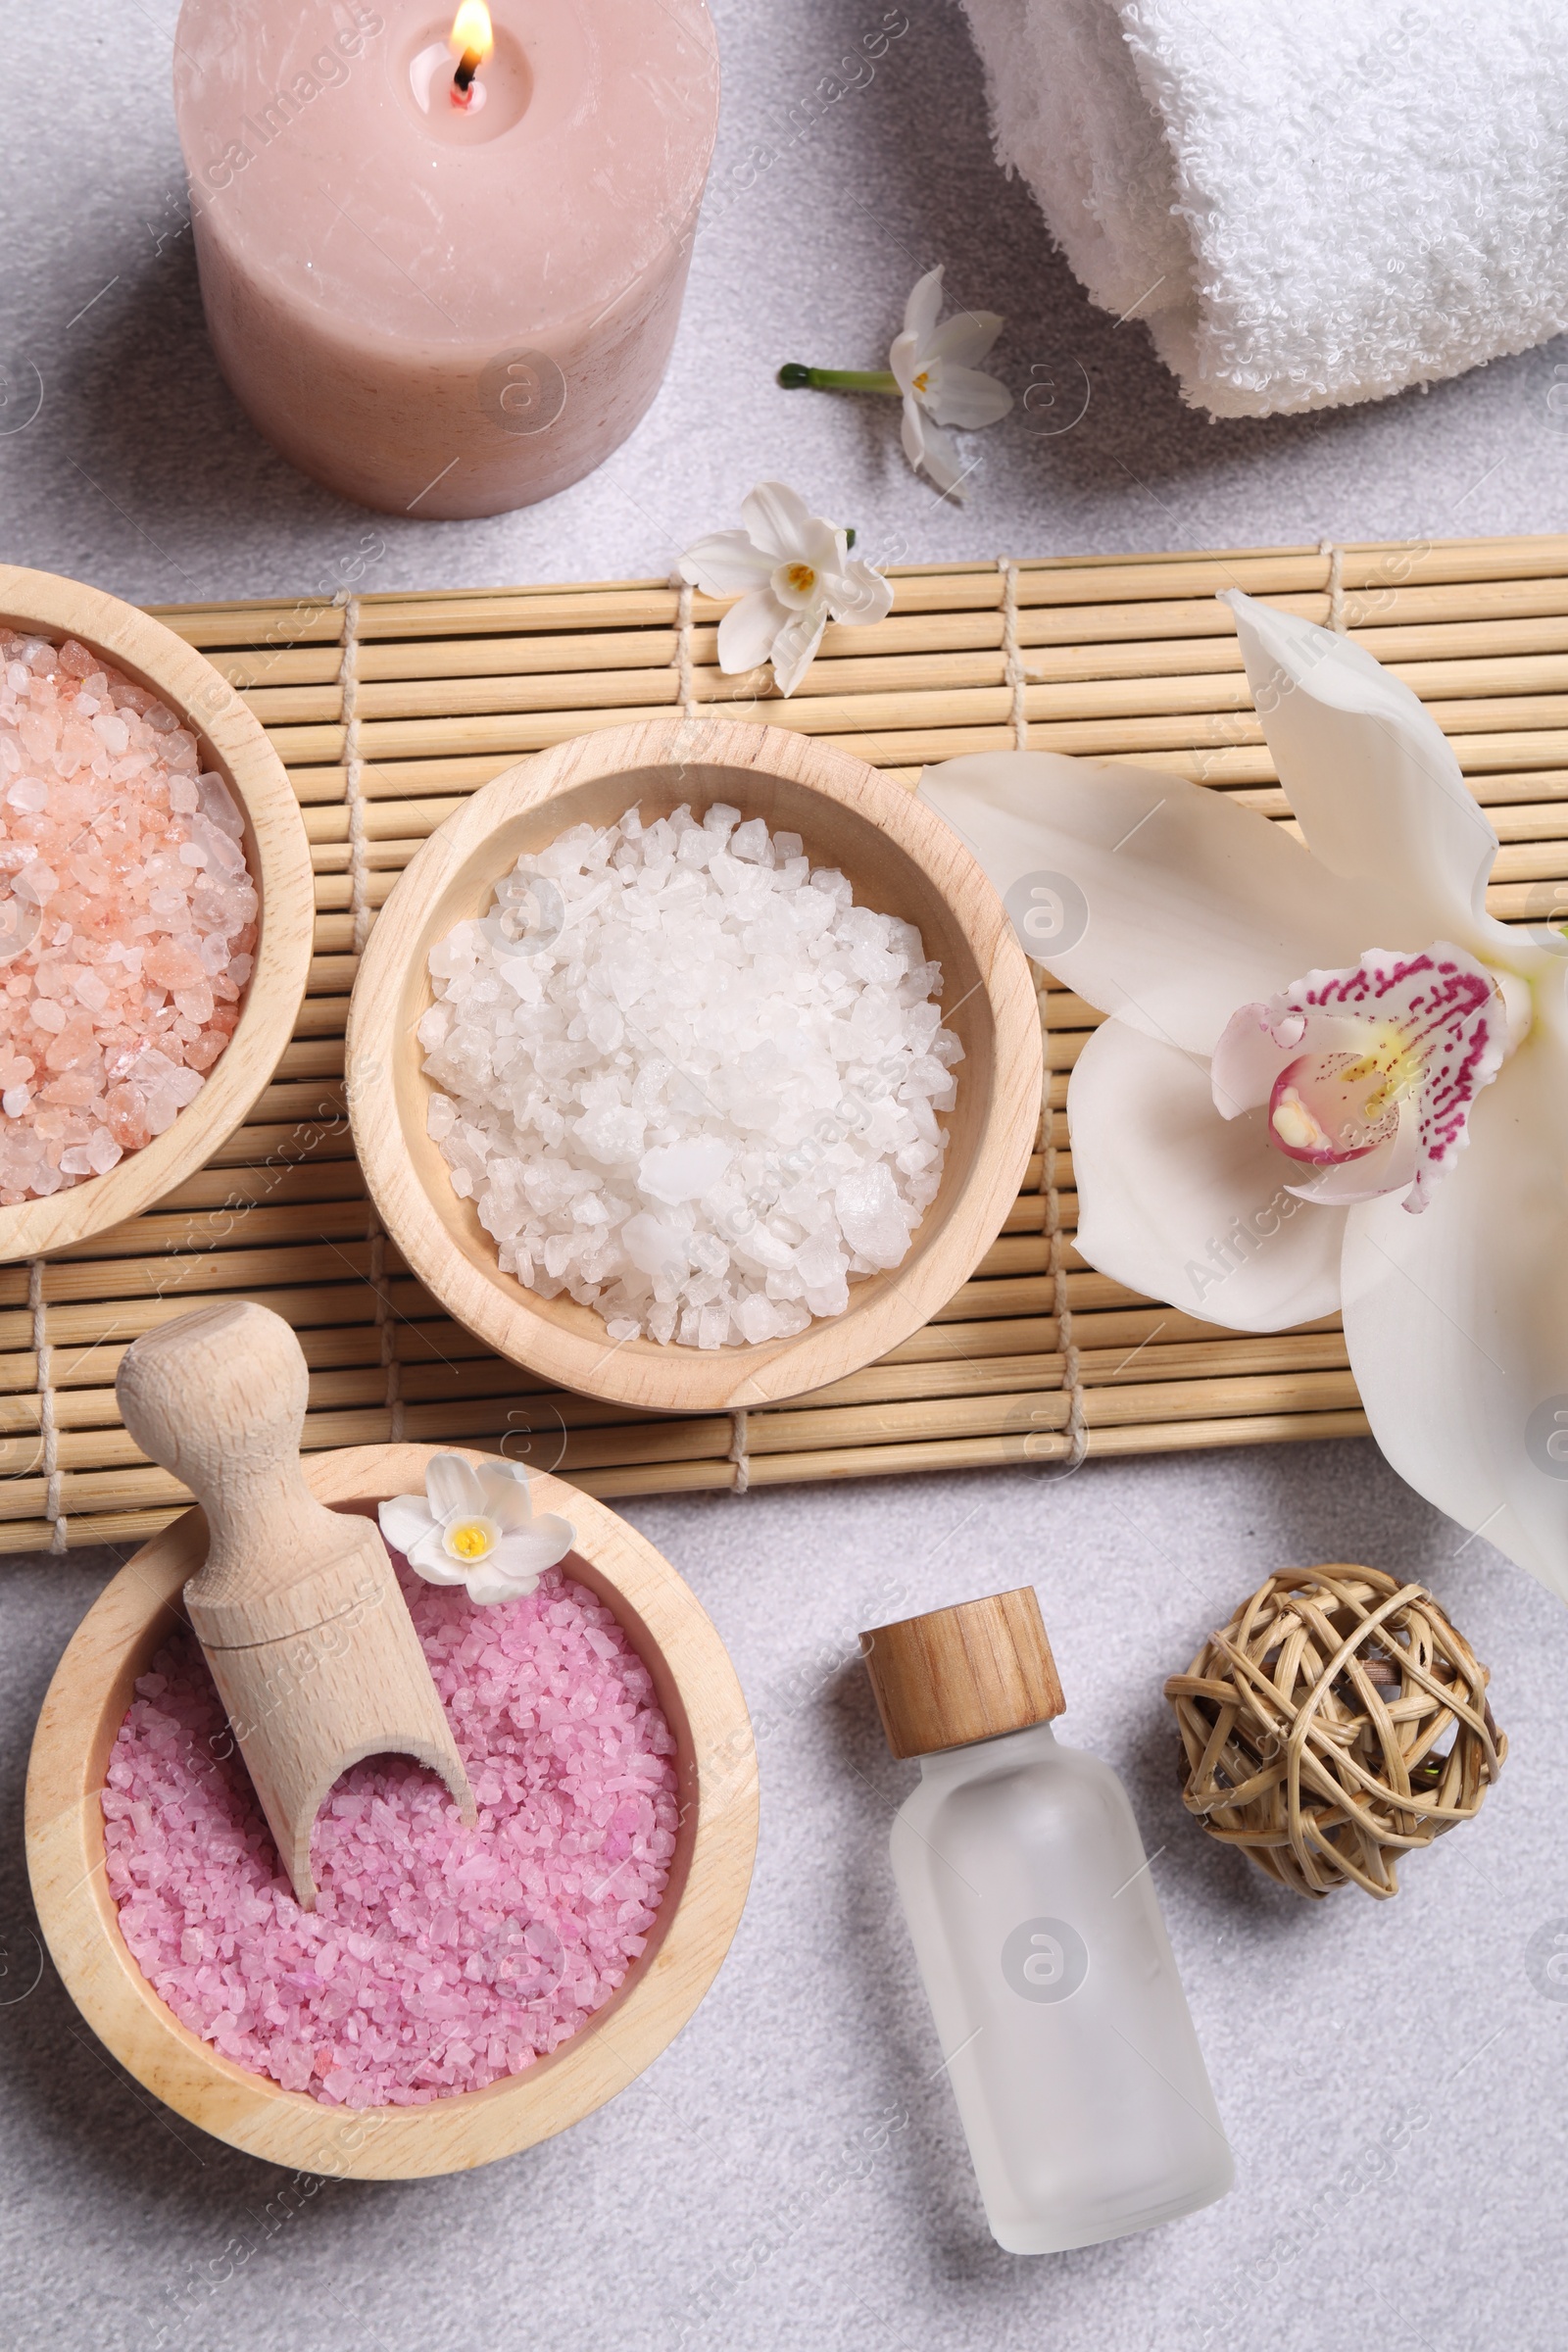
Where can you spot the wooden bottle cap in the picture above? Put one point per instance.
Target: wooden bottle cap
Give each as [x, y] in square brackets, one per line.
[961, 1674]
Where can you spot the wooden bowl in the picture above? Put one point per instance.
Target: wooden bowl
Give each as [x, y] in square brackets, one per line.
[280, 859]
[716, 1840]
[901, 859]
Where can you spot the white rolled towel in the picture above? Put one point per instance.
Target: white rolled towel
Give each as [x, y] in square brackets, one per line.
[1308, 201]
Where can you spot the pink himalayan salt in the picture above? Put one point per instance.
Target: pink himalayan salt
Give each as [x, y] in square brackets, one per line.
[438, 1958]
[127, 916]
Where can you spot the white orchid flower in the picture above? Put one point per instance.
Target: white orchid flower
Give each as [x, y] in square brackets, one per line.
[1331, 1079]
[476, 1525]
[793, 573]
[932, 370]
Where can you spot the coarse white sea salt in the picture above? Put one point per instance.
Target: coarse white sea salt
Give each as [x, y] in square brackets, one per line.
[686, 1080]
[128, 917]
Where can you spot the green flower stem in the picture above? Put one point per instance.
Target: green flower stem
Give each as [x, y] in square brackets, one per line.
[794, 377]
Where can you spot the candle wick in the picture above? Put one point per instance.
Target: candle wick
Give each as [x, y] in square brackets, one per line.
[469, 64]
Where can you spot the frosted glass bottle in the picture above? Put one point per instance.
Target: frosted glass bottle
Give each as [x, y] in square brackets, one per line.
[1067, 2035]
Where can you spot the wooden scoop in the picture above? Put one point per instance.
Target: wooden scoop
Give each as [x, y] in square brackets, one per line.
[298, 1608]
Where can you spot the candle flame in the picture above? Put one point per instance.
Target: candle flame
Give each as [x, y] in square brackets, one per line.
[471, 34]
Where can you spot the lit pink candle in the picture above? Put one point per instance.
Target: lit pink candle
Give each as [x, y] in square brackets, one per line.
[443, 269]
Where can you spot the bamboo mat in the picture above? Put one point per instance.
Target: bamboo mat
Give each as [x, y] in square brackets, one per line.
[387, 710]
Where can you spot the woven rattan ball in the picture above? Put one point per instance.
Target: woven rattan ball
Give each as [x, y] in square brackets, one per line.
[1337, 1722]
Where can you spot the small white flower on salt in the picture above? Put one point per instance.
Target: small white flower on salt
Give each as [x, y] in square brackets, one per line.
[476, 1525]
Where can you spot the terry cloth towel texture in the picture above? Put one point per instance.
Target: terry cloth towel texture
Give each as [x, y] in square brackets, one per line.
[1309, 200]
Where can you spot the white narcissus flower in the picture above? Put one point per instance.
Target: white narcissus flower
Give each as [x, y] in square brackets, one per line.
[793, 573]
[934, 369]
[476, 1525]
[1332, 1080]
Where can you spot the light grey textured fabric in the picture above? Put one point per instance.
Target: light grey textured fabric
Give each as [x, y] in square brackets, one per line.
[791, 2171]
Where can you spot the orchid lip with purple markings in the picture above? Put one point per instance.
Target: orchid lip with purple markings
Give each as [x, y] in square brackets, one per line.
[1369, 1072]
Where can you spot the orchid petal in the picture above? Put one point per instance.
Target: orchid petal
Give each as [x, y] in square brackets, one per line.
[912, 431]
[966, 398]
[921, 311]
[1379, 794]
[1185, 1207]
[795, 646]
[1457, 1320]
[777, 518]
[453, 1486]
[1186, 904]
[725, 564]
[748, 629]
[406, 1520]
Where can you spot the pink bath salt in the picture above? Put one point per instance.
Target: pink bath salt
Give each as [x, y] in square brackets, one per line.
[128, 917]
[438, 1958]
